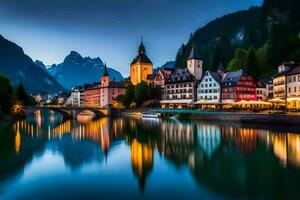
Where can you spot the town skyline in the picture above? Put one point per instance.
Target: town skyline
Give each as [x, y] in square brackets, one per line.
[103, 33]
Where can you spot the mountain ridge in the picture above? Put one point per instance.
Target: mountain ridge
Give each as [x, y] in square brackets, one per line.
[20, 68]
[78, 70]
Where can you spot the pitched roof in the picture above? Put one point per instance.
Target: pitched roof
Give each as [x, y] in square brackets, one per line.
[180, 75]
[220, 67]
[215, 76]
[116, 84]
[141, 57]
[260, 84]
[231, 78]
[194, 54]
[294, 70]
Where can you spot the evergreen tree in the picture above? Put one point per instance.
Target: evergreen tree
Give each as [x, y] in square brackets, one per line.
[239, 60]
[6, 94]
[222, 52]
[21, 94]
[251, 63]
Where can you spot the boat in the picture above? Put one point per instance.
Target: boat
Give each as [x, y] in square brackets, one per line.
[150, 115]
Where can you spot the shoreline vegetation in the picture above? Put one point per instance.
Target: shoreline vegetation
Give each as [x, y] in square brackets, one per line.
[13, 99]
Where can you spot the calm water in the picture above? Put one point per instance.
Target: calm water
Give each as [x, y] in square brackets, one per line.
[44, 157]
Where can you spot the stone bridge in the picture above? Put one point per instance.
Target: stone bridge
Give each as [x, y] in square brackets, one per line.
[70, 112]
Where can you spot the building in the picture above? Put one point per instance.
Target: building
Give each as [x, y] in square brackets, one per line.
[160, 79]
[287, 86]
[261, 91]
[103, 94]
[237, 86]
[92, 95]
[293, 88]
[269, 86]
[180, 85]
[209, 89]
[140, 67]
[74, 99]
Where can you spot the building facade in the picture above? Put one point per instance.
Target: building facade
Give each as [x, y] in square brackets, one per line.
[74, 99]
[140, 67]
[103, 94]
[160, 79]
[261, 91]
[180, 85]
[209, 89]
[237, 86]
[287, 86]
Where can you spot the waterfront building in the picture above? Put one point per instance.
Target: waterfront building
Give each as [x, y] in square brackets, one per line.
[237, 86]
[209, 90]
[160, 79]
[103, 94]
[270, 87]
[287, 85]
[180, 85]
[74, 99]
[261, 91]
[140, 67]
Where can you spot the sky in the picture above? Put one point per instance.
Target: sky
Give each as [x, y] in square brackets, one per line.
[48, 30]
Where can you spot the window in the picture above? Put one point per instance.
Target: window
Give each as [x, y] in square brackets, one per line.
[295, 89]
[289, 90]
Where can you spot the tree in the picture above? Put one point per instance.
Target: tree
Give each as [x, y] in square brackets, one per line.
[141, 93]
[222, 52]
[21, 94]
[238, 61]
[251, 63]
[129, 96]
[6, 94]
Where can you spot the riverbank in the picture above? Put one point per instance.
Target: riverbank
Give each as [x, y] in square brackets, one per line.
[237, 117]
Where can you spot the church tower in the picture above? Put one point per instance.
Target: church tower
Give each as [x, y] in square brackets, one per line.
[105, 77]
[141, 66]
[195, 63]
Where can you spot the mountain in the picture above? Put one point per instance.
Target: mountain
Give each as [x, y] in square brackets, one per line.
[40, 64]
[77, 70]
[207, 37]
[169, 64]
[271, 30]
[20, 68]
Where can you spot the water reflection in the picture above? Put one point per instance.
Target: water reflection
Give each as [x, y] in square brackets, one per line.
[229, 159]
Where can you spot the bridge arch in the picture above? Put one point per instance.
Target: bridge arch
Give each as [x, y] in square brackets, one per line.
[71, 112]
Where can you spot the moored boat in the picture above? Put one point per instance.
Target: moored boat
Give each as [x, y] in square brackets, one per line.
[150, 115]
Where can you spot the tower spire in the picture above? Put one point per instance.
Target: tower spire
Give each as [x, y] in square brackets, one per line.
[105, 72]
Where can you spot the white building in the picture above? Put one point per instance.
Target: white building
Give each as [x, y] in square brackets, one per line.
[287, 85]
[74, 99]
[181, 84]
[209, 89]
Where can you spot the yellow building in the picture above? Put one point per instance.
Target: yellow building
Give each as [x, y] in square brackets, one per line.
[140, 67]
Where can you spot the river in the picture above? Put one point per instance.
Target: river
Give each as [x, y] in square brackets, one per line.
[45, 157]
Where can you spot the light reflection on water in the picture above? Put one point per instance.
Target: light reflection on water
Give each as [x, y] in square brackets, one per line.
[146, 158]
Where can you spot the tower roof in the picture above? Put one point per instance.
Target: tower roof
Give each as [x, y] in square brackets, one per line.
[194, 53]
[141, 57]
[105, 72]
[220, 67]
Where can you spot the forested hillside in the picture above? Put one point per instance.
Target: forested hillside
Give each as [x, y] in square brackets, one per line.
[256, 40]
